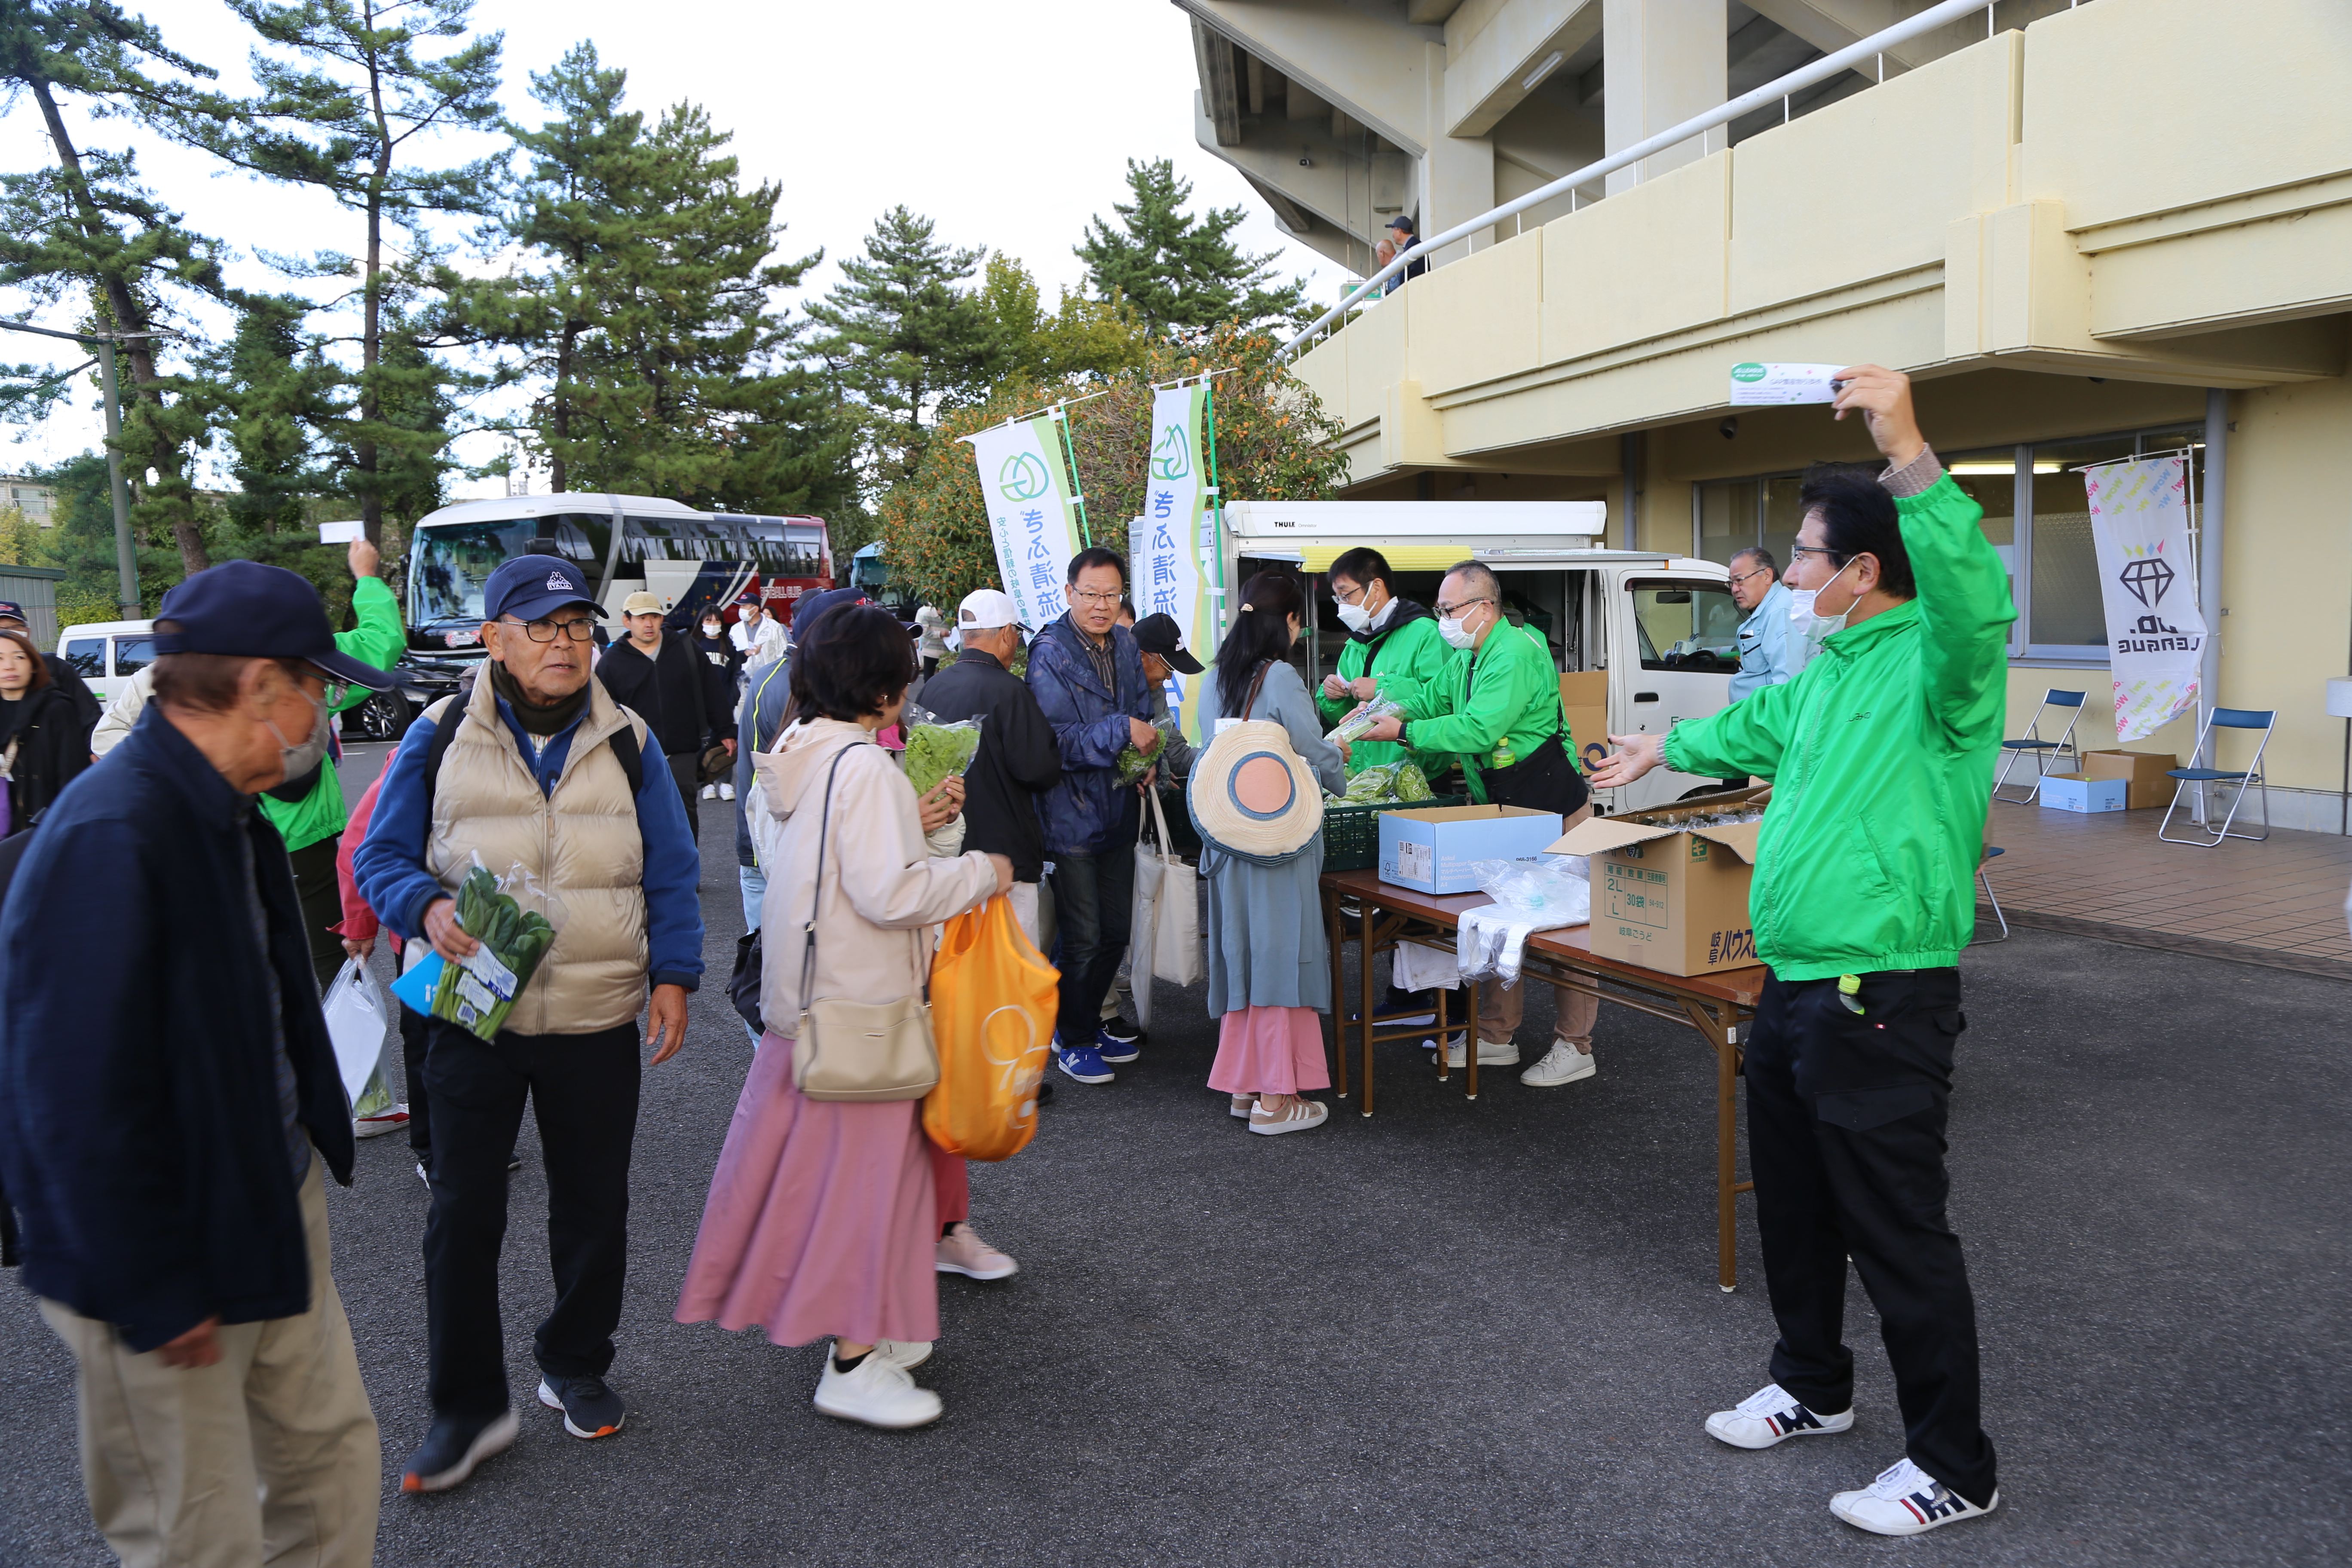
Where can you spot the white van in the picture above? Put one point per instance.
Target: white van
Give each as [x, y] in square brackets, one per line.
[106, 654]
[1657, 634]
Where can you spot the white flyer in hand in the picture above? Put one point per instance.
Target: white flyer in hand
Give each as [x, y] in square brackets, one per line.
[1755, 383]
[341, 532]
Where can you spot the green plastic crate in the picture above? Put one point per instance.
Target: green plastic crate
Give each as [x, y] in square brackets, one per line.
[1351, 834]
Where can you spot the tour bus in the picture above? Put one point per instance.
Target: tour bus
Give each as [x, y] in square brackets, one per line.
[1643, 640]
[626, 545]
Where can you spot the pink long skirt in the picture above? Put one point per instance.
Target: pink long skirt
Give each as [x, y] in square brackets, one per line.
[1270, 1050]
[824, 1217]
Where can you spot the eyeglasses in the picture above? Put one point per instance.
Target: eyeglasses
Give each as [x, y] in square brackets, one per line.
[1090, 597]
[1820, 550]
[1454, 612]
[1354, 595]
[580, 628]
[1759, 572]
[334, 694]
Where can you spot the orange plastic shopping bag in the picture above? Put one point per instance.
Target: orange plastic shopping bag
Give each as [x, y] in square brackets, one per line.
[993, 998]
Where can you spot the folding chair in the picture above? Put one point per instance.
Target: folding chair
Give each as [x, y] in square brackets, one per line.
[2043, 753]
[2261, 719]
[1983, 865]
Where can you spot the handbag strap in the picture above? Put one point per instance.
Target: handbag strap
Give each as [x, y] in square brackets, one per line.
[1160, 824]
[1256, 681]
[817, 891]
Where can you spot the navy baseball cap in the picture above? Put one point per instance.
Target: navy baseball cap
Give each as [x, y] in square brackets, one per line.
[813, 607]
[250, 611]
[10, 610]
[531, 587]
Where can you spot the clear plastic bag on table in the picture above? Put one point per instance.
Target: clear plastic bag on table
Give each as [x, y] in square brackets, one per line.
[1134, 763]
[1351, 728]
[1530, 895]
[1372, 783]
[935, 750]
[514, 920]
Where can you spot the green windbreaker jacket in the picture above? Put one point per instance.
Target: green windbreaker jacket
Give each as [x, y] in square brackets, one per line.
[1491, 718]
[377, 640]
[1406, 655]
[1880, 754]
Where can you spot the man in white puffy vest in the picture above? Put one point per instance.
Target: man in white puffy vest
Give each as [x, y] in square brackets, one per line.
[536, 769]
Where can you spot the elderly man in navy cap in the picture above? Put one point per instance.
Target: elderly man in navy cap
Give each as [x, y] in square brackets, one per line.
[536, 770]
[168, 1095]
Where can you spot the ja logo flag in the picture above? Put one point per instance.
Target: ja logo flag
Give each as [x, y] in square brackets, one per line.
[1029, 521]
[2156, 634]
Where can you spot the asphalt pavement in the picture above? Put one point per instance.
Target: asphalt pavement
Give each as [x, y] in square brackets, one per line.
[1456, 1332]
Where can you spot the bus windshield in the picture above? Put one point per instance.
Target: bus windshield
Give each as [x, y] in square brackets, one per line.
[451, 564]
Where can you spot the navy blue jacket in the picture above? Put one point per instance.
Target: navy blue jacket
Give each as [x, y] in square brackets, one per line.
[138, 1122]
[1088, 812]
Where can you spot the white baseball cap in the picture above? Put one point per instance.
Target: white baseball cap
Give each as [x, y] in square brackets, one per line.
[985, 609]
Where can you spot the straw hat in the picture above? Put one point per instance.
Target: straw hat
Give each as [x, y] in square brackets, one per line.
[1254, 797]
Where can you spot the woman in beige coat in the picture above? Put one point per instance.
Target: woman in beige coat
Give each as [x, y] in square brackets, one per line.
[824, 1215]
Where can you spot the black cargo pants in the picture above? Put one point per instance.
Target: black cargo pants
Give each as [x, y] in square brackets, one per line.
[1846, 1137]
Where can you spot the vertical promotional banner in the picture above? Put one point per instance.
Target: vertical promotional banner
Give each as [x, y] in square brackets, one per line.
[2156, 634]
[1175, 535]
[1028, 494]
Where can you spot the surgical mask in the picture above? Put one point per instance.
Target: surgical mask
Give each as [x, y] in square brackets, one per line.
[711, 628]
[302, 756]
[1455, 633]
[1811, 630]
[1355, 617]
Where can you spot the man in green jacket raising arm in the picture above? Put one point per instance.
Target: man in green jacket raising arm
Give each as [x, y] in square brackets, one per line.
[1495, 706]
[1880, 753]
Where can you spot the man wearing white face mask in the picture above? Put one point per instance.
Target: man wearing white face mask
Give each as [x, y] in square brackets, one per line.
[1881, 755]
[1496, 707]
[1392, 650]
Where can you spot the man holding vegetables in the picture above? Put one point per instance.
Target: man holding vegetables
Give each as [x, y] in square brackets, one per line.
[539, 787]
[1497, 707]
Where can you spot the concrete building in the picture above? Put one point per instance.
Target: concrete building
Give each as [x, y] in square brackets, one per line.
[2089, 231]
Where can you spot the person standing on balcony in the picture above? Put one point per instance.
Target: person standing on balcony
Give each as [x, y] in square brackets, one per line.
[1401, 234]
[1881, 755]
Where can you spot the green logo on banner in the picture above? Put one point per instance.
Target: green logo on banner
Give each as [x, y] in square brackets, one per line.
[1023, 478]
[1749, 372]
[1172, 458]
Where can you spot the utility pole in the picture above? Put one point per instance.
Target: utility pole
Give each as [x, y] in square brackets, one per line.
[126, 560]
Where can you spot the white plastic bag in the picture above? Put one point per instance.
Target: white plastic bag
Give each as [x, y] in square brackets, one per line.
[1530, 895]
[356, 1023]
[1141, 926]
[1178, 955]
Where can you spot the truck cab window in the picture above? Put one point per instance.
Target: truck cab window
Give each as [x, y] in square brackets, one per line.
[1692, 625]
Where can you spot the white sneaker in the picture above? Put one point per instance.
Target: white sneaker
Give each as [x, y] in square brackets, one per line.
[1771, 1415]
[710, 792]
[1297, 1117]
[1491, 1053]
[877, 1392]
[1562, 1064]
[1905, 1500]
[904, 1354]
[727, 792]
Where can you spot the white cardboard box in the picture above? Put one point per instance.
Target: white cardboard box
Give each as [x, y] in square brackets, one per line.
[2073, 792]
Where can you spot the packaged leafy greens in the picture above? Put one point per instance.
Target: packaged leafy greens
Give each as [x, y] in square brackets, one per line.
[1351, 728]
[935, 750]
[477, 994]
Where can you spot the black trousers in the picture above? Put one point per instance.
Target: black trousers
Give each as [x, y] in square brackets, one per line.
[322, 906]
[1845, 1135]
[584, 1089]
[1093, 911]
[687, 770]
[412, 1027]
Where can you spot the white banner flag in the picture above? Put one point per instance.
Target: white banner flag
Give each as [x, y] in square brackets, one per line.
[1165, 544]
[2156, 634]
[1027, 490]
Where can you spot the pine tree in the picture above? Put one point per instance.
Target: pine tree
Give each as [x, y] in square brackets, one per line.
[273, 388]
[86, 228]
[345, 121]
[1180, 273]
[902, 338]
[1083, 337]
[667, 371]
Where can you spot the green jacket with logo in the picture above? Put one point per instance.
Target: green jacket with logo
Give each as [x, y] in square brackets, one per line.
[1491, 706]
[1405, 655]
[1881, 755]
[377, 640]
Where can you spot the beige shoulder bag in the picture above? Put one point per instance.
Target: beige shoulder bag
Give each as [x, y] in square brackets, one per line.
[858, 1050]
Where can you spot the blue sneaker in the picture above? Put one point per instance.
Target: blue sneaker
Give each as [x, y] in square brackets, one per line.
[1083, 1063]
[1111, 1048]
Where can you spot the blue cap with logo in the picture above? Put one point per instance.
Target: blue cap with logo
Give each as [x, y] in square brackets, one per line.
[250, 611]
[533, 587]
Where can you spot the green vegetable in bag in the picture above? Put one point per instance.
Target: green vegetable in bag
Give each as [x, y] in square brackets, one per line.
[1372, 783]
[513, 939]
[936, 751]
[1411, 783]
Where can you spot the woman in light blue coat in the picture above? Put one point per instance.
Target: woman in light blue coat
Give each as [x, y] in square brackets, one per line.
[1269, 970]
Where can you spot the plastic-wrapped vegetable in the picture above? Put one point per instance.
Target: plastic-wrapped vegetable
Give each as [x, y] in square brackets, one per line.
[479, 992]
[1351, 729]
[1373, 784]
[1411, 783]
[935, 750]
[1133, 764]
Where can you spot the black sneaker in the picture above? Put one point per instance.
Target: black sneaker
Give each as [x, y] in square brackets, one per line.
[1119, 1032]
[591, 1409]
[454, 1446]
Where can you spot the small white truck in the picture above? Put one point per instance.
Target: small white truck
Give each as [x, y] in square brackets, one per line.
[1643, 640]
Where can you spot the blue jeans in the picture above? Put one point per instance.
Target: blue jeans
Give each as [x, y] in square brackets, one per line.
[754, 883]
[1094, 905]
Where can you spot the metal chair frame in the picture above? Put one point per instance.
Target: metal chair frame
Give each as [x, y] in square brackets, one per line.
[1983, 865]
[2043, 751]
[2251, 775]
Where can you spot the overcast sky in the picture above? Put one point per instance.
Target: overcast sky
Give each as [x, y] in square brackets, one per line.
[1009, 125]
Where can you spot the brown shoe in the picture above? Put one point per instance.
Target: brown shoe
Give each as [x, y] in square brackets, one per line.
[1297, 1116]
